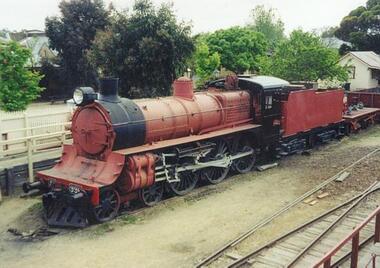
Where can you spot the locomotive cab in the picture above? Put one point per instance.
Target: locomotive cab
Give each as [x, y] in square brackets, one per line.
[265, 94]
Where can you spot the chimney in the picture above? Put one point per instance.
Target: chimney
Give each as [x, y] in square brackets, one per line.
[109, 88]
[183, 88]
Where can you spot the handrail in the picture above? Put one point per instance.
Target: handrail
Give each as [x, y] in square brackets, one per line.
[354, 237]
[34, 137]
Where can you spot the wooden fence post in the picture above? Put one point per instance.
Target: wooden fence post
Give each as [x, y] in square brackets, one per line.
[30, 160]
[34, 143]
[63, 133]
[29, 144]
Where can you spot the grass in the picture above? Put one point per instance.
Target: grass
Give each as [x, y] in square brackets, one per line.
[103, 228]
[108, 227]
[35, 207]
[128, 219]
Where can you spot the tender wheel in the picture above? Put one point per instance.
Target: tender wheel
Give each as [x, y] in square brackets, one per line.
[187, 182]
[215, 175]
[108, 207]
[311, 141]
[245, 164]
[152, 195]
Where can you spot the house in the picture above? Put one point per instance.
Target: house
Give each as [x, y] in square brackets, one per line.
[39, 46]
[4, 36]
[35, 40]
[364, 69]
[38, 43]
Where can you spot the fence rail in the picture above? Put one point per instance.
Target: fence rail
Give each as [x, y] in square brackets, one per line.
[33, 134]
[35, 144]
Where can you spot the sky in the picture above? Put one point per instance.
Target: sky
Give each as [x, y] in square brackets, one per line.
[204, 15]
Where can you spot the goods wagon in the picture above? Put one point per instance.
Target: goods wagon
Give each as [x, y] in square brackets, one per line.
[368, 97]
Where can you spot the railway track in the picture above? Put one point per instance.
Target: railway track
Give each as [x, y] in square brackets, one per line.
[230, 247]
[306, 244]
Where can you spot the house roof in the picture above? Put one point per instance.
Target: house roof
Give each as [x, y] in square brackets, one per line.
[259, 82]
[35, 44]
[4, 36]
[368, 57]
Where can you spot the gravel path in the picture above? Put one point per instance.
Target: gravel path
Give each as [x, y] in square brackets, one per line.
[181, 231]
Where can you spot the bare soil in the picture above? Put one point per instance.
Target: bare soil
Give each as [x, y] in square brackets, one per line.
[181, 231]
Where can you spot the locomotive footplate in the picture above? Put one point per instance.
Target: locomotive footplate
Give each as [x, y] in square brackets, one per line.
[65, 209]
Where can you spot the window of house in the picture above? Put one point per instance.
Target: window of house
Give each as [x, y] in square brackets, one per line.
[375, 74]
[268, 102]
[351, 72]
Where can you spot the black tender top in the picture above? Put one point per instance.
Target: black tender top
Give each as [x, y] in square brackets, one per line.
[255, 83]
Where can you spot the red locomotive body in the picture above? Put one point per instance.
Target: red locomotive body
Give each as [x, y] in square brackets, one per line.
[305, 110]
[121, 151]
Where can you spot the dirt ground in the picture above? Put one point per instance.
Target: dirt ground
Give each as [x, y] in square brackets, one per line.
[181, 231]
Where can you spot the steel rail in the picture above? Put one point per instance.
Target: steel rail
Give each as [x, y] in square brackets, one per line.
[267, 220]
[243, 259]
[368, 191]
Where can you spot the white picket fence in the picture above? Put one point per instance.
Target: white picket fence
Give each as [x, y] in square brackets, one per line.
[34, 132]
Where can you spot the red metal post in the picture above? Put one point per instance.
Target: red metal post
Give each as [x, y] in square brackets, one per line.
[377, 229]
[327, 263]
[355, 251]
[354, 237]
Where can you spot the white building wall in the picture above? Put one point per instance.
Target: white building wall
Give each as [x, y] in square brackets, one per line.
[363, 75]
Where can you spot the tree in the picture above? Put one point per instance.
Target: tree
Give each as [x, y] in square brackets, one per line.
[18, 85]
[303, 58]
[362, 27]
[328, 32]
[72, 35]
[239, 48]
[147, 49]
[205, 62]
[268, 23]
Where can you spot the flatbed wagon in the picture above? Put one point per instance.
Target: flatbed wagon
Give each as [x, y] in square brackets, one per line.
[361, 118]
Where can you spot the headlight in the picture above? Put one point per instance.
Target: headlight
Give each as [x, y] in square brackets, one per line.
[84, 95]
[78, 96]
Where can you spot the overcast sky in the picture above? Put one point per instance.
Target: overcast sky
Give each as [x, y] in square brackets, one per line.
[205, 15]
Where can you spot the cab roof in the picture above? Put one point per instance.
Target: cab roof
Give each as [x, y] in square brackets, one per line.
[256, 83]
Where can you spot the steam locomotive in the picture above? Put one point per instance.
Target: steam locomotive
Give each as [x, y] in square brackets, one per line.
[126, 149]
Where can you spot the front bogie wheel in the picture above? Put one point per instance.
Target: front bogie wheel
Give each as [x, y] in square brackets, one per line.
[151, 195]
[109, 204]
